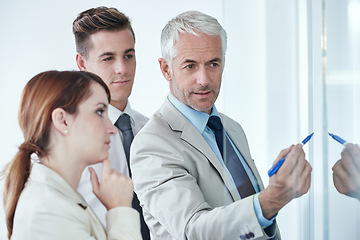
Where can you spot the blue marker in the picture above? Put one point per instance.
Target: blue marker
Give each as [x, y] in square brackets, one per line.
[338, 139]
[278, 164]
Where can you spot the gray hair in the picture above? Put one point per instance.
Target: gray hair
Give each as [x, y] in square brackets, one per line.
[191, 22]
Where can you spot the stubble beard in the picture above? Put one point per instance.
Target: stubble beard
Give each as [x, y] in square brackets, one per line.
[196, 104]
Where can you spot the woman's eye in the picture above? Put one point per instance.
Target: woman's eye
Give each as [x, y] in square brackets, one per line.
[100, 112]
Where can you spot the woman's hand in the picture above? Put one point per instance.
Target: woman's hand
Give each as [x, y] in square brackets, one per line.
[114, 190]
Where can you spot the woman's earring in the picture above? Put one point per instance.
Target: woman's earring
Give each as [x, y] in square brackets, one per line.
[66, 131]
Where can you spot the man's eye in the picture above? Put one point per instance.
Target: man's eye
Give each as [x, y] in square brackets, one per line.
[189, 66]
[107, 59]
[128, 56]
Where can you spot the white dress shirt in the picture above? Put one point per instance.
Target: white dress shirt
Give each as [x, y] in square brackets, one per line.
[116, 157]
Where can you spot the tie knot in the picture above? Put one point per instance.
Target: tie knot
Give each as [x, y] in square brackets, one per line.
[214, 123]
[123, 122]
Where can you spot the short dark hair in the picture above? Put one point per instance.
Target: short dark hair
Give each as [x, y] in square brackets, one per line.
[94, 20]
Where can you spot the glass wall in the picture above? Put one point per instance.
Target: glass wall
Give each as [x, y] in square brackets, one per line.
[297, 68]
[266, 88]
[342, 78]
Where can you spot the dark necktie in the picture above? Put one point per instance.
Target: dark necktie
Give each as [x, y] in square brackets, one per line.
[123, 123]
[232, 161]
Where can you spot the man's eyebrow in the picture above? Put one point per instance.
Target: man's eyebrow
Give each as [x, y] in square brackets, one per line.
[189, 61]
[215, 60]
[112, 53]
[106, 54]
[193, 61]
[130, 50]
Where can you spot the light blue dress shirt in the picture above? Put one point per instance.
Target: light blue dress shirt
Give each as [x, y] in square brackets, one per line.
[199, 120]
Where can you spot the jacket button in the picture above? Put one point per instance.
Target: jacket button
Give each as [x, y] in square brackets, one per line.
[247, 236]
[250, 235]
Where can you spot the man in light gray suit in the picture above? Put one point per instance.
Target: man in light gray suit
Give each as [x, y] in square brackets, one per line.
[191, 165]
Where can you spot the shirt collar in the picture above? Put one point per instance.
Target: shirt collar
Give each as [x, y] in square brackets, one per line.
[197, 118]
[115, 113]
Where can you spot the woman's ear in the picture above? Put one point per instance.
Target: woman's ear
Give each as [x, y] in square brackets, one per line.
[60, 119]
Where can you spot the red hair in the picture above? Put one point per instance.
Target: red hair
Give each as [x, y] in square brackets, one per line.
[41, 95]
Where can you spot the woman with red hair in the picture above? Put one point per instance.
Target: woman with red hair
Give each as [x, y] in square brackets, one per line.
[63, 117]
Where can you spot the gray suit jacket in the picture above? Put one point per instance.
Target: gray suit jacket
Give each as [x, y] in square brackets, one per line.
[182, 186]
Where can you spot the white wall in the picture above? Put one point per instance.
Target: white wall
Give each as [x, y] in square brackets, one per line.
[37, 36]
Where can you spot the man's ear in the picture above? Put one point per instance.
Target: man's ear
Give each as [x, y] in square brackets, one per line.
[223, 64]
[165, 69]
[80, 61]
[60, 120]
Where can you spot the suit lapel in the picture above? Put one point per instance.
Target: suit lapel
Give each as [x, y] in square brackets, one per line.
[242, 145]
[179, 123]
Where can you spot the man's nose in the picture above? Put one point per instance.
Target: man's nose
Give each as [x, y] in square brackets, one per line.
[203, 77]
